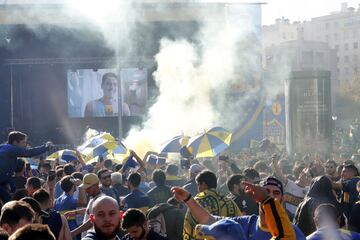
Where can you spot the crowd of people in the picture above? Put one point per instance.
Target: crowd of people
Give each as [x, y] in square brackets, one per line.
[262, 194]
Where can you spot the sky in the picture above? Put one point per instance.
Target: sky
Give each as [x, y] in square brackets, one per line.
[295, 10]
[300, 10]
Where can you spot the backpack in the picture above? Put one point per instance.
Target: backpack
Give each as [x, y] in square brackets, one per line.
[156, 218]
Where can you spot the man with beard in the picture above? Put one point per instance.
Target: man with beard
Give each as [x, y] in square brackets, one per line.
[135, 224]
[106, 219]
[245, 203]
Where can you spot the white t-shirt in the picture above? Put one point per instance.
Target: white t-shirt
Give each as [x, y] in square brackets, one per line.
[294, 195]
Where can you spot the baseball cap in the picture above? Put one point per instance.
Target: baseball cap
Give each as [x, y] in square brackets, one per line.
[195, 168]
[225, 229]
[89, 180]
[35, 206]
[273, 182]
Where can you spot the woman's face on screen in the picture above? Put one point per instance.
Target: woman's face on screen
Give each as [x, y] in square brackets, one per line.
[109, 87]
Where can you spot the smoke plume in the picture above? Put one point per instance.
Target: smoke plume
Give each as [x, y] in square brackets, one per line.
[196, 80]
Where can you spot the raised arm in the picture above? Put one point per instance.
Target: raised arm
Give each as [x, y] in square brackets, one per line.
[16, 151]
[277, 221]
[65, 233]
[80, 158]
[82, 197]
[198, 212]
[138, 159]
[84, 227]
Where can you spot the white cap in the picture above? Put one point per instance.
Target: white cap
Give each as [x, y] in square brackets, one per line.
[195, 168]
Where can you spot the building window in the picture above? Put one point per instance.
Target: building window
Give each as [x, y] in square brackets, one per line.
[356, 58]
[336, 36]
[335, 24]
[346, 34]
[327, 26]
[337, 47]
[356, 45]
[346, 46]
[355, 33]
[307, 58]
[337, 59]
[346, 59]
[284, 36]
[319, 58]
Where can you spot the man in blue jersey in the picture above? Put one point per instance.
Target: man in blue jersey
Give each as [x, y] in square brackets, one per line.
[327, 221]
[67, 201]
[9, 154]
[135, 199]
[255, 227]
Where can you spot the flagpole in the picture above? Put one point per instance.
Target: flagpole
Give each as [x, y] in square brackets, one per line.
[11, 99]
[117, 52]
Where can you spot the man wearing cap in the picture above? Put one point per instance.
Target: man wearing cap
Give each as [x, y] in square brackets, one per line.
[91, 186]
[228, 229]
[270, 197]
[191, 185]
[92, 189]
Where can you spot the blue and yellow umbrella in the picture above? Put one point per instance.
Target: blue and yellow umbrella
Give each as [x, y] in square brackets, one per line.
[175, 144]
[66, 155]
[102, 145]
[210, 143]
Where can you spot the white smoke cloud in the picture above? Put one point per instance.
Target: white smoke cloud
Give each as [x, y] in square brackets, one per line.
[194, 79]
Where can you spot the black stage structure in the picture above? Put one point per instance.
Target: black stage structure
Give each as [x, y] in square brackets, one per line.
[33, 86]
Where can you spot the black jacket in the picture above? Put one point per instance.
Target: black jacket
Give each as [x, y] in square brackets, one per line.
[320, 192]
[92, 235]
[151, 236]
[173, 216]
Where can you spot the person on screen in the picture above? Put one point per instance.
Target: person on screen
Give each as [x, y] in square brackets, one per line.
[106, 105]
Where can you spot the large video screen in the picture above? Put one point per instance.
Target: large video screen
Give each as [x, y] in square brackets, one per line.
[106, 92]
